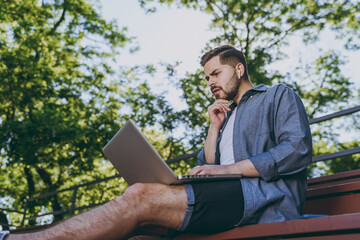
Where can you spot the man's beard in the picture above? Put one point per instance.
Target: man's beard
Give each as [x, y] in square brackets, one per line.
[232, 88]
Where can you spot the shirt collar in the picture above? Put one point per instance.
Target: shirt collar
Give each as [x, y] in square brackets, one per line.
[253, 91]
[259, 88]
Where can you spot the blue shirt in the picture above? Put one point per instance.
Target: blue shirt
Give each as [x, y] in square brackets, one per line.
[272, 130]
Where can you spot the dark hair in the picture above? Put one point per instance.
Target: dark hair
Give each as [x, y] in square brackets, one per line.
[227, 55]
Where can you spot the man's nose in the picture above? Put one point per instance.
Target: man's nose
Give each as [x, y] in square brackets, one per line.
[211, 81]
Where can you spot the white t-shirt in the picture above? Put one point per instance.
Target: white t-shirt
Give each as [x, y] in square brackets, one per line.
[226, 142]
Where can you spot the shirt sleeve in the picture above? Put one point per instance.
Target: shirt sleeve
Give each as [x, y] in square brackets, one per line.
[293, 150]
[201, 158]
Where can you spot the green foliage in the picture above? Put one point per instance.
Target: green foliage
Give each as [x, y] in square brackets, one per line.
[197, 97]
[55, 103]
[345, 163]
[151, 111]
[183, 167]
[329, 88]
[337, 165]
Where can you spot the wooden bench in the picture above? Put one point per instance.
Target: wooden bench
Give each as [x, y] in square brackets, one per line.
[337, 195]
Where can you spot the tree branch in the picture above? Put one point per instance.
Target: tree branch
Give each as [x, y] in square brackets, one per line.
[62, 18]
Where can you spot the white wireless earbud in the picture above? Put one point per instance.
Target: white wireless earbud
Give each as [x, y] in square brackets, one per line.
[239, 72]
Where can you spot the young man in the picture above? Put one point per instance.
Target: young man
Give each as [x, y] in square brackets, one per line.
[266, 138]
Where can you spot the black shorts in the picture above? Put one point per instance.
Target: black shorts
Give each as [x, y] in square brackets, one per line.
[213, 206]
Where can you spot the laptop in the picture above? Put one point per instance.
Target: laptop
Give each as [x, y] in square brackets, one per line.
[138, 162]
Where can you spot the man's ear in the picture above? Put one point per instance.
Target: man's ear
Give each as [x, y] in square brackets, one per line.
[240, 67]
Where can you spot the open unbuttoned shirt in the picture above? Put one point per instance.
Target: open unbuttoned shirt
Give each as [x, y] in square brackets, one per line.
[272, 130]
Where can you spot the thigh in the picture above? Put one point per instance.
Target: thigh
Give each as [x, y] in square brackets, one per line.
[218, 206]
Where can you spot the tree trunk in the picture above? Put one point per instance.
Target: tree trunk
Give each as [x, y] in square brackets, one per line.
[45, 176]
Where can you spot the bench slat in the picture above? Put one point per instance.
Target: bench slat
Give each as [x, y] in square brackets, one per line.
[337, 177]
[333, 205]
[336, 189]
[322, 226]
[354, 236]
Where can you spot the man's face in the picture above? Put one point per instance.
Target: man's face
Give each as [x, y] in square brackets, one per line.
[222, 79]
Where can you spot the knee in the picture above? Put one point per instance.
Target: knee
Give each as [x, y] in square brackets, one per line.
[135, 194]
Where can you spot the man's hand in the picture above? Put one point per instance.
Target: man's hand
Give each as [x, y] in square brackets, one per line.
[217, 112]
[211, 169]
[243, 167]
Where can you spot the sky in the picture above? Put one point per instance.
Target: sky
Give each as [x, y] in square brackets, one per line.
[173, 34]
[168, 35]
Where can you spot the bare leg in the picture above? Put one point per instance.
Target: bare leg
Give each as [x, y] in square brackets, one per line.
[140, 205]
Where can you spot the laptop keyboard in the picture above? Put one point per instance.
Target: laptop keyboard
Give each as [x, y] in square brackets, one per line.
[210, 176]
[198, 176]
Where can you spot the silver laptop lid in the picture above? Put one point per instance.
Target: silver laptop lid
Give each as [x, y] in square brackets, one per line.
[135, 158]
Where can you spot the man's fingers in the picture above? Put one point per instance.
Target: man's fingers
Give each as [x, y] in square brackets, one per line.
[221, 101]
[201, 170]
[210, 169]
[195, 170]
[219, 107]
[225, 107]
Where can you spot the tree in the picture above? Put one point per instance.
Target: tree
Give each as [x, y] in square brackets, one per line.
[56, 105]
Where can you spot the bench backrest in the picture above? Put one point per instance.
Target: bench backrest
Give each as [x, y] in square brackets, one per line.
[335, 194]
